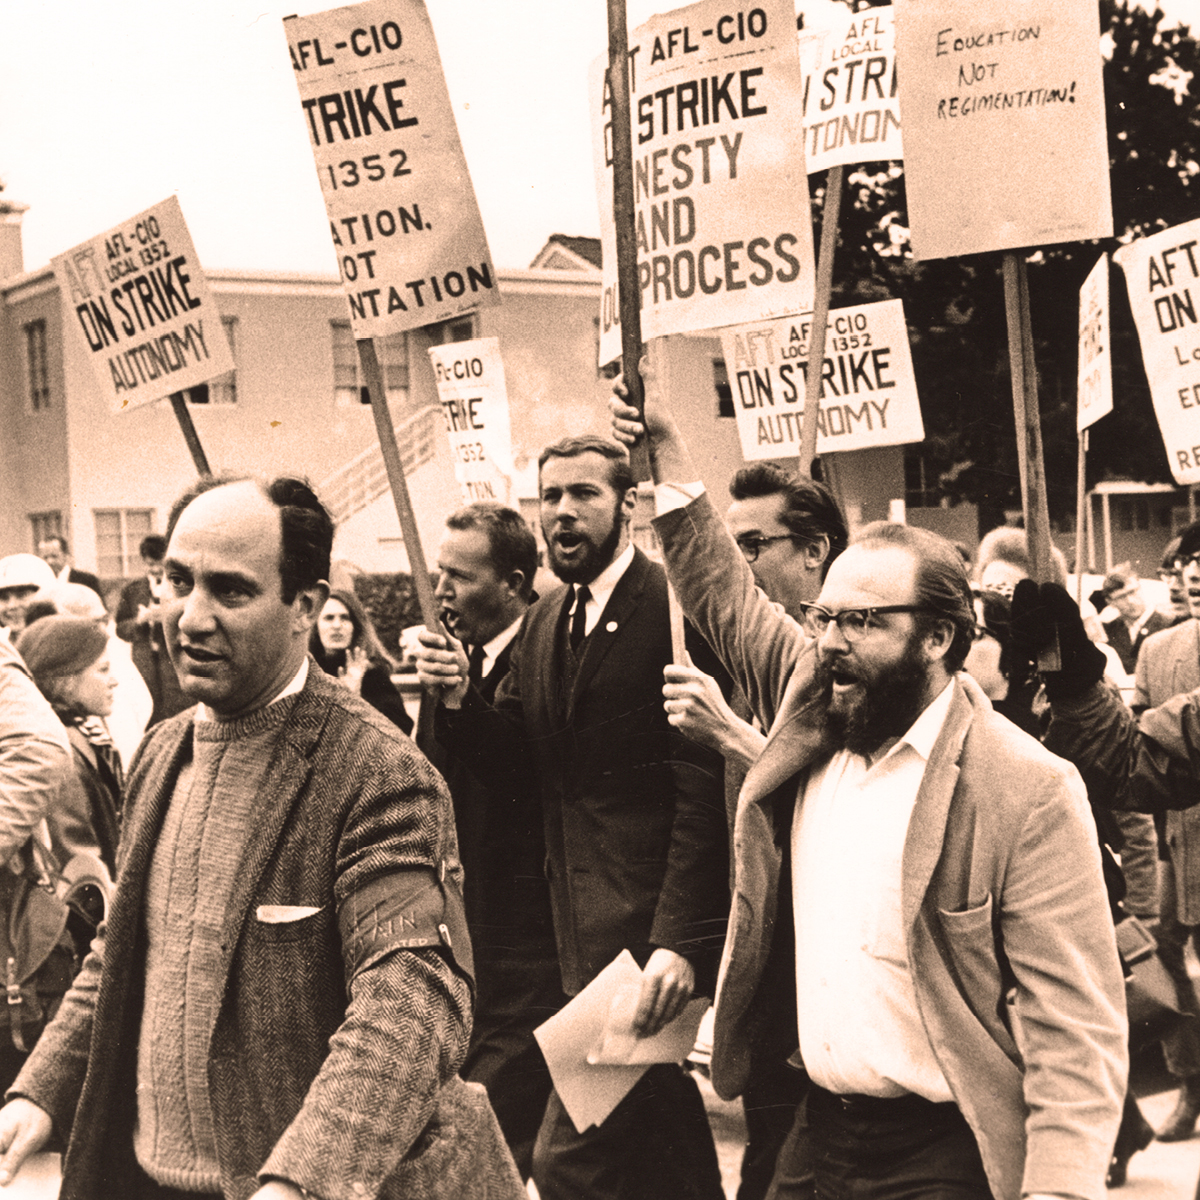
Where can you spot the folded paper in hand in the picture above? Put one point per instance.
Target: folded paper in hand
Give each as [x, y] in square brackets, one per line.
[593, 1054]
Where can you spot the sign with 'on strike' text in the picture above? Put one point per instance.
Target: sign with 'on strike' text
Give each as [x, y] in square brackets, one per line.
[402, 213]
[724, 231]
[141, 304]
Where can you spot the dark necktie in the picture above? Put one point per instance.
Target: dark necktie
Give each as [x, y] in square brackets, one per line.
[475, 665]
[579, 617]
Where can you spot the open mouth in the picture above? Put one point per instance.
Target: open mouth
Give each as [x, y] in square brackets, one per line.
[200, 656]
[450, 619]
[568, 540]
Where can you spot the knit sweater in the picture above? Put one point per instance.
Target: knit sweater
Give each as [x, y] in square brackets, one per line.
[194, 866]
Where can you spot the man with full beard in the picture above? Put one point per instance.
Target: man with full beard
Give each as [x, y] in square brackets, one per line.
[636, 844]
[919, 899]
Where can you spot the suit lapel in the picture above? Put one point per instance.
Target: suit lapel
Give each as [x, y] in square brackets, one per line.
[927, 826]
[622, 604]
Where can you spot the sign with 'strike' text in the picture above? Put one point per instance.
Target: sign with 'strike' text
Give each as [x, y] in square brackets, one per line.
[474, 399]
[1163, 276]
[868, 390]
[402, 213]
[141, 305]
[722, 220]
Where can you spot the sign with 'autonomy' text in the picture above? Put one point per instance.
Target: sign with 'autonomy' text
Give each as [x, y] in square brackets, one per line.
[470, 384]
[868, 390]
[143, 308]
[724, 232]
[851, 113]
[402, 213]
[1163, 276]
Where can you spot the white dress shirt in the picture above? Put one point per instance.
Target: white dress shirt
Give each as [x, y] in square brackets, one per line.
[860, 1029]
[602, 587]
[493, 649]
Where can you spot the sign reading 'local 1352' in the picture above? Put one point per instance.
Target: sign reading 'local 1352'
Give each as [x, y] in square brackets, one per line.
[402, 212]
[142, 308]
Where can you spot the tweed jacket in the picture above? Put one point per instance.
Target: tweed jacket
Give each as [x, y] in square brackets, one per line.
[337, 1034]
[636, 841]
[1008, 935]
[1169, 663]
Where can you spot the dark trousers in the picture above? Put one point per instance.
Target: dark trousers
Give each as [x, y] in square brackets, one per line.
[903, 1149]
[655, 1145]
[1181, 1047]
[773, 1092]
[514, 998]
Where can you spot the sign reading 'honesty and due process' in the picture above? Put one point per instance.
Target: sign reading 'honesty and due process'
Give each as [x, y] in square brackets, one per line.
[143, 309]
[402, 213]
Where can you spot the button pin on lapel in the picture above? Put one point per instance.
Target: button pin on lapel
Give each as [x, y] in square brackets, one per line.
[611, 627]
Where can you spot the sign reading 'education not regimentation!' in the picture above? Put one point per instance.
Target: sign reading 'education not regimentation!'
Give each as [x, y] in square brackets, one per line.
[402, 212]
[868, 390]
[142, 308]
[724, 231]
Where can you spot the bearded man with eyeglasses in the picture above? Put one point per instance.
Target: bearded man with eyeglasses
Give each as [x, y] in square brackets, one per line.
[919, 906]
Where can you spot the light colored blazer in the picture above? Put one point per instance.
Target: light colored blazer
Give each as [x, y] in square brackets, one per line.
[1168, 664]
[1009, 937]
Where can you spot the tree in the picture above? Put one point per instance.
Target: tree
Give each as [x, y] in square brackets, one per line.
[955, 307]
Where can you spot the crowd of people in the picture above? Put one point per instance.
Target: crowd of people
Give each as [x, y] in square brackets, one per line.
[312, 944]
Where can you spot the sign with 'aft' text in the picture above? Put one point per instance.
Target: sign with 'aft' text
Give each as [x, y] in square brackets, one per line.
[868, 390]
[724, 231]
[143, 308]
[474, 399]
[402, 213]
[1163, 276]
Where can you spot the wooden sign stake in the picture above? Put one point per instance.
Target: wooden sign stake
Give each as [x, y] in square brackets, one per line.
[1081, 503]
[373, 376]
[820, 319]
[628, 290]
[179, 404]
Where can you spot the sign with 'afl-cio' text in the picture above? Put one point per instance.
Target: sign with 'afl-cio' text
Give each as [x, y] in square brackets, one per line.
[868, 390]
[402, 213]
[474, 399]
[142, 308]
[1163, 276]
[724, 231]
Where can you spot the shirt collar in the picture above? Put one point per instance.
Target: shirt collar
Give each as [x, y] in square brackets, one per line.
[924, 731]
[204, 713]
[605, 583]
[493, 649]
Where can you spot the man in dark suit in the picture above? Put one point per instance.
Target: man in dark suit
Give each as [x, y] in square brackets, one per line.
[58, 556]
[139, 622]
[487, 562]
[281, 996]
[636, 846]
[1135, 620]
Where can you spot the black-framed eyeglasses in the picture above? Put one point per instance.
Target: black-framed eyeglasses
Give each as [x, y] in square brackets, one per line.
[1167, 574]
[750, 546]
[1180, 562]
[853, 623]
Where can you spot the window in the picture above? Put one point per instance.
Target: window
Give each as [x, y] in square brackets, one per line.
[393, 359]
[461, 329]
[44, 526]
[119, 532]
[223, 389]
[724, 391]
[37, 369]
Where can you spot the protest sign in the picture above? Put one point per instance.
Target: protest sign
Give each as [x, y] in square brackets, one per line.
[143, 308]
[1162, 274]
[868, 390]
[851, 113]
[724, 232]
[402, 212]
[470, 384]
[1004, 134]
[1094, 392]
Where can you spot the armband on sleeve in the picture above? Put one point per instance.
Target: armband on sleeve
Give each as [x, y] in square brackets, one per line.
[406, 910]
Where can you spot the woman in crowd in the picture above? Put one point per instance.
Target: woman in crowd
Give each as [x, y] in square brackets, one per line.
[68, 659]
[346, 646]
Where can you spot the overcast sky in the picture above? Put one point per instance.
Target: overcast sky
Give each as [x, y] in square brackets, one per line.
[107, 108]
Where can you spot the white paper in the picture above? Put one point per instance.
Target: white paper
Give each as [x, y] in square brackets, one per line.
[39, 1178]
[619, 1045]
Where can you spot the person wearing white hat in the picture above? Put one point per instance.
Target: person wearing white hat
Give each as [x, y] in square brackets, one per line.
[22, 576]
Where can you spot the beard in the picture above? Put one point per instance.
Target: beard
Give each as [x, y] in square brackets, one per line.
[594, 556]
[883, 705]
